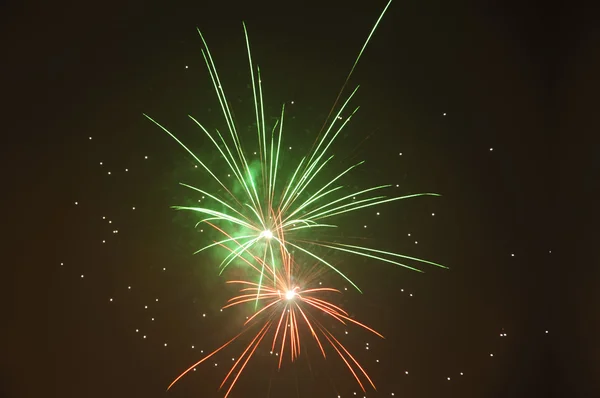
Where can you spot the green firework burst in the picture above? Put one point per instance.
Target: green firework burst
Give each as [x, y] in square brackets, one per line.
[263, 210]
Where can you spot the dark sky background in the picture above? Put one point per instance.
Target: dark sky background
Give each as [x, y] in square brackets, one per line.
[441, 83]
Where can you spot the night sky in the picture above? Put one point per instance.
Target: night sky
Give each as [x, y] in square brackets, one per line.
[491, 106]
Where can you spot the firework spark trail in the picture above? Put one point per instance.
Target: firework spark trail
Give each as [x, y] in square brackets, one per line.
[285, 307]
[354, 66]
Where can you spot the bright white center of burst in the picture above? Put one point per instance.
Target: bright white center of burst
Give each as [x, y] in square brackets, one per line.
[267, 234]
[290, 295]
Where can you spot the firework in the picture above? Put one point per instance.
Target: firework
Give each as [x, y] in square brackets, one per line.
[284, 308]
[272, 205]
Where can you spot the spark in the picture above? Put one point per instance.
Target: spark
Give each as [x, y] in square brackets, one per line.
[267, 234]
